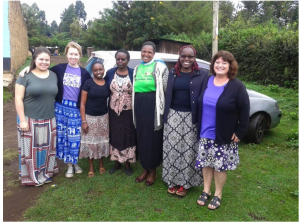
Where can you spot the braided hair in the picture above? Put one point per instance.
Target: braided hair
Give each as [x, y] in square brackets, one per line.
[178, 64]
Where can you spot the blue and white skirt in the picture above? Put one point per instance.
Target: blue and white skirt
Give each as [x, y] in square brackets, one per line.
[68, 121]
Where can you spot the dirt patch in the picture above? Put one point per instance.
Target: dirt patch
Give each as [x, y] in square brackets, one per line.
[17, 198]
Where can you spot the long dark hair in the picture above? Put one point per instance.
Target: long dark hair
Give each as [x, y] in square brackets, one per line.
[178, 64]
[37, 52]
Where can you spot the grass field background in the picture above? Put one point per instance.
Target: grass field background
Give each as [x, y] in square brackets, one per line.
[264, 186]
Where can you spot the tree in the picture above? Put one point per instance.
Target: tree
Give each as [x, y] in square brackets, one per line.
[75, 29]
[282, 12]
[35, 20]
[79, 11]
[53, 27]
[67, 18]
[226, 9]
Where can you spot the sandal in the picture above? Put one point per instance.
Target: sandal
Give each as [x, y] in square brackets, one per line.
[203, 198]
[214, 203]
[172, 190]
[139, 180]
[150, 183]
[102, 170]
[181, 191]
[91, 174]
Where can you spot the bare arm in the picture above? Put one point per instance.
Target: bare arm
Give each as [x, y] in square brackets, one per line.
[22, 73]
[19, 102]
[84, 125]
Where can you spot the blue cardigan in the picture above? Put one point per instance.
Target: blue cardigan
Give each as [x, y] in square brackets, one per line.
[195, 87]
[232, 111]
[60, 70]
[111, 72]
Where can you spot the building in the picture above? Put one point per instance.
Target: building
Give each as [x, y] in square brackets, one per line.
[15, 40]
[168, 46]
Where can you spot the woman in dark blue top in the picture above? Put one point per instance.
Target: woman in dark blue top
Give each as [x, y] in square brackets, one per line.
[180, 144]
[223, 121]
[122, 134]
[94, 119]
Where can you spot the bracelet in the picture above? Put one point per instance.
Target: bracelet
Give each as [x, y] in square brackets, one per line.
[83, 121]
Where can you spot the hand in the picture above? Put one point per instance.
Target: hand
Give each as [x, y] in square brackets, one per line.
[24, 126]
[235, 138]
[23, 71]
[85, 127]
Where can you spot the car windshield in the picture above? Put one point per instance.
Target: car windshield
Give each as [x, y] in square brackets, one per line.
[88, 65]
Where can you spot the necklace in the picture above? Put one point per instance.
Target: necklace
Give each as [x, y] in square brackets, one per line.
[121, 80]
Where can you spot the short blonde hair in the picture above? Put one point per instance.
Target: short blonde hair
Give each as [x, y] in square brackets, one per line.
[73, 45]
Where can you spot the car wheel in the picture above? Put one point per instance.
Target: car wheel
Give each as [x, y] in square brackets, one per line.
[256, 130]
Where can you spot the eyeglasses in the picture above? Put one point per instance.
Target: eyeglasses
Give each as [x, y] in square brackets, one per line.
[185, 56]
[120, 59]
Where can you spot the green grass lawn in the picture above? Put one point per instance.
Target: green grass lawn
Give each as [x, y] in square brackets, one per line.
[264, 186]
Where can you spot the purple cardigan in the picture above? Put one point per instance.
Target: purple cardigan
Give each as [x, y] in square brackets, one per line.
[59, 70]
[195, 87]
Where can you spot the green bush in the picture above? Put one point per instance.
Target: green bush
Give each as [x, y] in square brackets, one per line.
[266, 53]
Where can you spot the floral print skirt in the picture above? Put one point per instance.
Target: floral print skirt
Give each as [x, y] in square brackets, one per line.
[219, 157]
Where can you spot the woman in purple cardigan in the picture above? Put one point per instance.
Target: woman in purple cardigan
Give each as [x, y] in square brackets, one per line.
[70, 79]
[223, 121]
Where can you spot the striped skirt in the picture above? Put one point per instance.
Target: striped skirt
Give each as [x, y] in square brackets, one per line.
[68, 121]
[37, 149]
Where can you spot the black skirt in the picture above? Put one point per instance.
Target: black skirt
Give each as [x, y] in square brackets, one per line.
[121, 130]
[149, 142]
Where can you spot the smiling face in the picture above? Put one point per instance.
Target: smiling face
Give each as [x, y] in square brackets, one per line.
[122, 60]
[147, 53]
[98, 71]
[221, 67]
[73, 57]
[42, 61]
[187, 59]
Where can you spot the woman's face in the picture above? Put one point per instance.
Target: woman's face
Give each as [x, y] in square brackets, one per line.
[147, 53]
[42, 61]
[98, 71]
[221, 67]
[187, 59]
[73, 56]
[122, 60]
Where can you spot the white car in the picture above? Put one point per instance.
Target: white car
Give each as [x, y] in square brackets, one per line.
[264, 111]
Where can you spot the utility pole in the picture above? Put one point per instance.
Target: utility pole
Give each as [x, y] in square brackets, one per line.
[215, 27]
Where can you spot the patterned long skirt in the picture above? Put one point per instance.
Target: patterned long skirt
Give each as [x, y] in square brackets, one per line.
[95, 143]
[37, 148]
[68, 121]
[219, 157]
[180, 151]
[122, 137]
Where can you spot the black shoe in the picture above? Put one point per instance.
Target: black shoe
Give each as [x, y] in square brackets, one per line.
[129, 171]
[114, 169]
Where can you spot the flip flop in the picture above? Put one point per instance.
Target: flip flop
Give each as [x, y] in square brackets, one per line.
[91, 174]
[102, 170]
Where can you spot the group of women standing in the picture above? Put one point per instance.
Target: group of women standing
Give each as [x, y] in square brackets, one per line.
[186, 119]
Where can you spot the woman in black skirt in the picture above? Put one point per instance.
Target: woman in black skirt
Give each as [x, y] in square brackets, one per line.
[122, 136]
[149, 100]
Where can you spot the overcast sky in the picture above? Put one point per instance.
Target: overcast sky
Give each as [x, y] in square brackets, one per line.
[53, 8]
